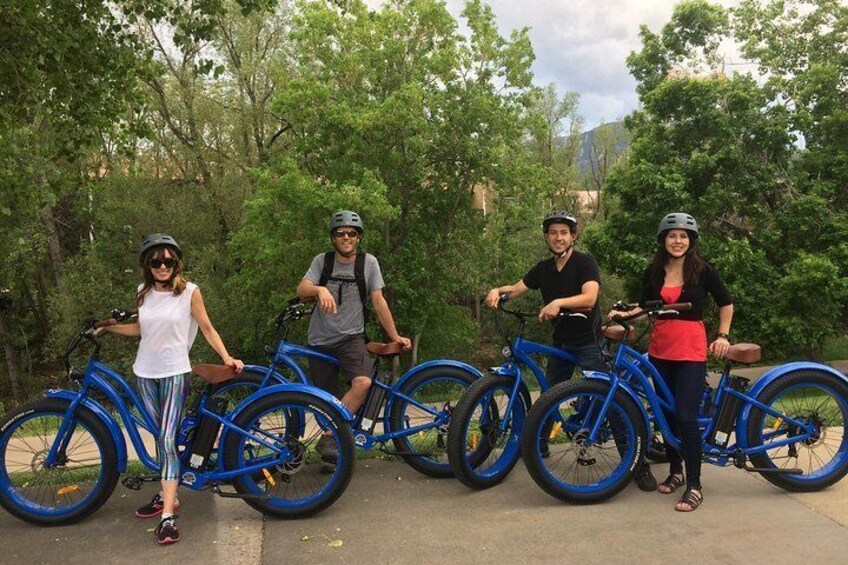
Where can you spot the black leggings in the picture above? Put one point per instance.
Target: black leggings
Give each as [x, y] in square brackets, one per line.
[685, 379]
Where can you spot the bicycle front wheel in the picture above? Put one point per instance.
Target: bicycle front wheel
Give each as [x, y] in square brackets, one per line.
[813, 398]
[485, 432]
[293, 481]
[583, 460]
[81, 480]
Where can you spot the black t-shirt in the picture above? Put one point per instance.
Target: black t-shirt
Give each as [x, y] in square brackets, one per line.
[709, 282]
[580, 269]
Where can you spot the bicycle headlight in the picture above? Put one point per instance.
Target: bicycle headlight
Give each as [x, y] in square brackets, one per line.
[506, 351]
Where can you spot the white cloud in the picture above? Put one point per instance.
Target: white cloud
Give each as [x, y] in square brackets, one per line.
[582, 45]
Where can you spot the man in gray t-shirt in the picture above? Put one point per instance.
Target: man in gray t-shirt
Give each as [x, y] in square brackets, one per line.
[337, 326]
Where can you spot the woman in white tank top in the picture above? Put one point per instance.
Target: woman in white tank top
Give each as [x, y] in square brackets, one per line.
[170, 311]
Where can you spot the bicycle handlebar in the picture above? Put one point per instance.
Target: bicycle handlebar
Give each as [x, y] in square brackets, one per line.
[563, 313]
[650, 308]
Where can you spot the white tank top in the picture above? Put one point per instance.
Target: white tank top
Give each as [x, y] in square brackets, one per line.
[167, 334]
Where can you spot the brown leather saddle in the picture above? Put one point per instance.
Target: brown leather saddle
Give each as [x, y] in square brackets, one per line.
[384, 349]
[214, 374]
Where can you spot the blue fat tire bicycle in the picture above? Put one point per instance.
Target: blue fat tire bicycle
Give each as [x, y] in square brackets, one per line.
[61, 456]
[484, 438]
[789, 426]
[416, 409]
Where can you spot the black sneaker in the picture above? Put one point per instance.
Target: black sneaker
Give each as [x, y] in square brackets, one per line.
[166, 532]
[153, 508]
[645, 479]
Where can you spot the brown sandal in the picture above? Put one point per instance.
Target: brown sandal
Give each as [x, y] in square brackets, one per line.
[670, 484]
[692, 497]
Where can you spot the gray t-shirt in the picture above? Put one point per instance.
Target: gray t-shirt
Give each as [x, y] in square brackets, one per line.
[326, 329]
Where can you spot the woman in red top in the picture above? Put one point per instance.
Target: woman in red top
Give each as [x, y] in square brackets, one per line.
[678, 346]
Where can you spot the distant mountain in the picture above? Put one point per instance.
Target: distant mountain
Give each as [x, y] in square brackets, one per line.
[587, 139]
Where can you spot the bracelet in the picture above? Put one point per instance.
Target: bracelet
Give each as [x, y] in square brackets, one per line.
[722, 334]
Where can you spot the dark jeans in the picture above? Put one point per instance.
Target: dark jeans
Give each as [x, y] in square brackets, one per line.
[685, 379]
[589, 358]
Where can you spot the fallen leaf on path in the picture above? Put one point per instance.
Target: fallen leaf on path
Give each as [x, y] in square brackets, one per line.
[336, 543]
[305, 538]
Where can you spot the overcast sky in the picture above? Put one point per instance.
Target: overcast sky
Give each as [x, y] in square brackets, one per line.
[581, 45]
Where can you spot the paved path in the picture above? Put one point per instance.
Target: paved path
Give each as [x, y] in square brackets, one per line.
[391, 514]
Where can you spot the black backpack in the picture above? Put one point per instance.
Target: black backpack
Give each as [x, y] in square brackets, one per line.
[358, 275]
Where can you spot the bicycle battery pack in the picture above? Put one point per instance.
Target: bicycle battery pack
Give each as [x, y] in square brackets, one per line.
[374, 401]
[726, 415]
[207, 432]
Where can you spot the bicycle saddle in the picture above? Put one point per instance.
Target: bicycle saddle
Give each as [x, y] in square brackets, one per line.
[745, 353]
[384, 349]
[214, 374]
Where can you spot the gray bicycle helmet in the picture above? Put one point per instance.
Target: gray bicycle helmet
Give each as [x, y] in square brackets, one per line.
[346, 218]
[678, 221]
[155, 240]
[559, 217]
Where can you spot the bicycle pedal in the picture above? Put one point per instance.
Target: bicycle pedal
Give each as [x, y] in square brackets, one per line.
[586, 461]
[223, 494]
[136, 482]
[132, 483]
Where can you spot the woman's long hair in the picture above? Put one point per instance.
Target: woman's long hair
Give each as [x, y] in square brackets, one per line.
[177, 282]
[692, 264]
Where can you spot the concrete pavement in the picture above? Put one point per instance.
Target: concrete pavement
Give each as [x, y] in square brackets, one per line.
[391, 514]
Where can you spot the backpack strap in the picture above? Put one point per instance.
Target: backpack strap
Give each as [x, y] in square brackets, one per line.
[327, 272]
[358, 275]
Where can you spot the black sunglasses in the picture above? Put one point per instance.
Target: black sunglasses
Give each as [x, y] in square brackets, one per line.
[350, 233]
[168, 262]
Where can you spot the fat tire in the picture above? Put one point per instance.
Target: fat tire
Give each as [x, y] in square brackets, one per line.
[108, 452]
[536, 417]
[791, 482]
[344, 464]
[463, 469]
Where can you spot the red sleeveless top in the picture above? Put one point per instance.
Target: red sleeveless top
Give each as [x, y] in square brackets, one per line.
[677, 340]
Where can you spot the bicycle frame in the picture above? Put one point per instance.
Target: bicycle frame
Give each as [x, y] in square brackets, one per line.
[629, 365]
[286, 354]
[101, 378]
[521, 351]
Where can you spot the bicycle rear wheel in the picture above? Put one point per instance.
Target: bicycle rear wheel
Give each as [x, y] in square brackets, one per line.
[293, 481]
[83, 478]
[438, 389]
[813, 398]
[577, 467]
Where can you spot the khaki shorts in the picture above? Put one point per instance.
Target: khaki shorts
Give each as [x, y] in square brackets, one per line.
[354, 358]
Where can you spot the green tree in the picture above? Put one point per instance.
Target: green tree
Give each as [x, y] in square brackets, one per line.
[397, 104]
[726, 150]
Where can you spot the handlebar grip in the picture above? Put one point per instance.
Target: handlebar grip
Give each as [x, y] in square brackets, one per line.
[680, 306]
[567, 311]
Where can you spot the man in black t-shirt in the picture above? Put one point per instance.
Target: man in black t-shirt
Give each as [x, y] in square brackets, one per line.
[570, 279]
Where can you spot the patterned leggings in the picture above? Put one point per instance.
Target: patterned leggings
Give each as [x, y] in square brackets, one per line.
[164, 399]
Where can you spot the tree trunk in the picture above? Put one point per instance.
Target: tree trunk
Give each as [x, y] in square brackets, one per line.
[11, 365]
[53, 248]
